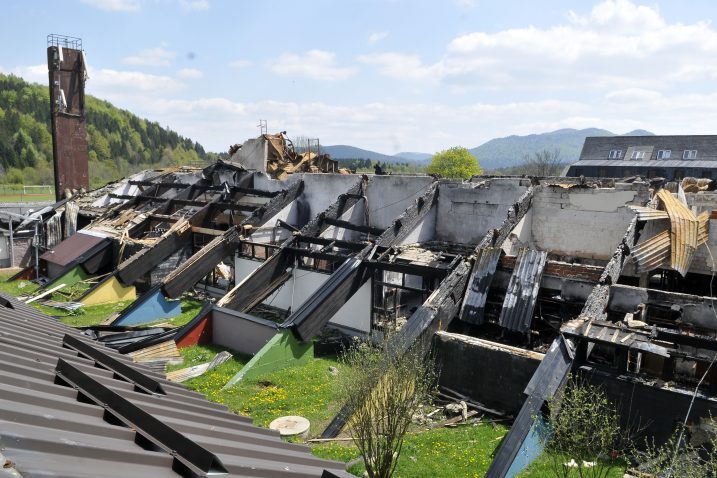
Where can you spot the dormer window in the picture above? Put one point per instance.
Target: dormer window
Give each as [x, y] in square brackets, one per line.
[689, 154]
[638, 155]
[664, 154]
[615, 154]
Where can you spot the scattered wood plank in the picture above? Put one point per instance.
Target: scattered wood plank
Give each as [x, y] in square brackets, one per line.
[47, 292]
[451, 422]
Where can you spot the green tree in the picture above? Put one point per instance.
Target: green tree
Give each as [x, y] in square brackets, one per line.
[456, 162]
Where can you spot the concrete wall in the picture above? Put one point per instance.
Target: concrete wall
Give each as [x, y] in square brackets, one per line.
[424, 230]
[389, 196]
[240, 334]
[582, 222]
[355, 314]
[466, 213]
[494, 374]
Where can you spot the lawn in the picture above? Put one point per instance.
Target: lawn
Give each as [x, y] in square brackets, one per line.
[87, 315]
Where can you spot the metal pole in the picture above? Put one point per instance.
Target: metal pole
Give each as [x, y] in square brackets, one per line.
[12, 247]
[37, 253]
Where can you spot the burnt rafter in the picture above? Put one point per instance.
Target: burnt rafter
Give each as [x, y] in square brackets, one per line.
[376, 231]
[202, 262]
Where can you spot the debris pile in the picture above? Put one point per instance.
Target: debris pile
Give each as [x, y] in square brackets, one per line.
[275, 155]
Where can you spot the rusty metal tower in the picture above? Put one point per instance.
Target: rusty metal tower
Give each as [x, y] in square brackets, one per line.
[67, 72]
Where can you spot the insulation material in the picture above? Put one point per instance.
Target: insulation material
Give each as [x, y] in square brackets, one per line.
[185, 374]
[53, 231]
[71, 211]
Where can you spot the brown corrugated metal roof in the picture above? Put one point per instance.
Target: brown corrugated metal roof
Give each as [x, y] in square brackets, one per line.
[653, 253]
[71, 248]
[46, 429]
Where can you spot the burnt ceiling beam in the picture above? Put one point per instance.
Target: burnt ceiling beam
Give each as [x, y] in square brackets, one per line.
[376, 231]
[691, 310]
[412, 217]
[409, 268]
[261, 283]
[146, 182]
[200, 264]
[204, 260]
[435, 314]
[324, 241]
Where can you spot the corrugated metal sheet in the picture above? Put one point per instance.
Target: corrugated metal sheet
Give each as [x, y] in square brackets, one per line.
[703, 228]
[45, 430]
[473, 308]
[71, 248]
[522, 292]
[653, 253]
[683, 233]
[649, 214]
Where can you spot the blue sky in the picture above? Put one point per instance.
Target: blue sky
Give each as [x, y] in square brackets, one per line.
[387, 75]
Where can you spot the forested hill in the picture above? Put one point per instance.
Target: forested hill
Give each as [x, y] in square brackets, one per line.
[120, 143]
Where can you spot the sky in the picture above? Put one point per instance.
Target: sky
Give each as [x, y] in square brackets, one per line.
[385, 75]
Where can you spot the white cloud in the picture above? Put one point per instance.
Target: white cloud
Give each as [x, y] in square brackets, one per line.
[617, 44]
[314, 64]
[157, 56]
[239, 64]
[376, 37]
[194, 5]
[33, 73]
[190, 73]
[115, 5]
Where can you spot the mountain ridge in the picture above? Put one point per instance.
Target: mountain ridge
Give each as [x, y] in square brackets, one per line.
[496, 153]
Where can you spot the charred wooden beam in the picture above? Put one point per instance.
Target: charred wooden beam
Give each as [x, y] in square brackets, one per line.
[317, 310]
[436, 313]
[150, 257]
[260, 284]
[692, 310]
[376, 231]
[412, 217]
[137, 182]
[200, 264]
[326, 256]
[439, 270]
[317, 225]
[354, 246]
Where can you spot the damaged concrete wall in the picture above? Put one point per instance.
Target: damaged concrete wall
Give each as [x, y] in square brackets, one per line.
[491, 373]
[389, 196]
[583, 222]
[466, 212]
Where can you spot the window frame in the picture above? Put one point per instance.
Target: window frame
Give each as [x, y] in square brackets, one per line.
[617, 154]
[638, 155]
[664, 154]
[687, 154]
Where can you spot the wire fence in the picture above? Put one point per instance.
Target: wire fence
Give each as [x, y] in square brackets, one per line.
[26, 193]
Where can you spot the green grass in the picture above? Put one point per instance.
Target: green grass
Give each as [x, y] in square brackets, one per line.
[542, 468]
[87, 315]
[307, 390]
[464, 451]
